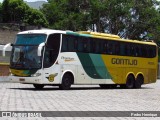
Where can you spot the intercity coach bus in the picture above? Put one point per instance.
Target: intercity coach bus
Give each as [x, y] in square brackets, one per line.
[63, 58]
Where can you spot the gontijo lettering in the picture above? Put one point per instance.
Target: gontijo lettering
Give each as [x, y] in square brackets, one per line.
[124, 61]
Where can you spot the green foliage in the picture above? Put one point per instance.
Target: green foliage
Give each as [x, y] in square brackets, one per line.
[129, 18]
[65, 14]
[16, 11]
[0, 12]
[35, 17]
[5, 11]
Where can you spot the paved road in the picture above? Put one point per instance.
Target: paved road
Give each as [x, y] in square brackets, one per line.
[23, 97]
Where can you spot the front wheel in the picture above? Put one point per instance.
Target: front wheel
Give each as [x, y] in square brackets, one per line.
[38, 86]
[66, 82]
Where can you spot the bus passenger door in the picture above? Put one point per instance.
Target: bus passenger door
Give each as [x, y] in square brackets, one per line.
[50, 67]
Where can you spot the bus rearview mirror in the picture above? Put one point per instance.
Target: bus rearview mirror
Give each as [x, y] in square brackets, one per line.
[7, 47]
[40, 48]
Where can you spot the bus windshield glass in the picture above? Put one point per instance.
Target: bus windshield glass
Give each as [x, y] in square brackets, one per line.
[25, 57]
[30, 39]
[24, 52]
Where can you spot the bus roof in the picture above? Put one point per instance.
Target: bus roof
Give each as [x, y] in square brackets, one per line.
[100, 34]
[114, 37]
[45, 31]
[87, 34]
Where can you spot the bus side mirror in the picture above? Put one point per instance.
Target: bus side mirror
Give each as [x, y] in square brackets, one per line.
[7, 47]
[40, 48]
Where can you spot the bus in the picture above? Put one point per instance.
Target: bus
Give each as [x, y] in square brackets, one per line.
[65, 58]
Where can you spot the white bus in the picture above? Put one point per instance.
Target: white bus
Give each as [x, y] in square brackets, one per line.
[63, 58]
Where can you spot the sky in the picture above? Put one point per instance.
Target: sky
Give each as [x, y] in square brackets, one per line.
[28, 0]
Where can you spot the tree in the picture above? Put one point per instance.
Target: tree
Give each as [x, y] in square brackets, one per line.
[130, 19]
[144, 20]
[16, 11]
[127, 18]
[5, 11]
[65, 14]
[0, 12]
[35, 17]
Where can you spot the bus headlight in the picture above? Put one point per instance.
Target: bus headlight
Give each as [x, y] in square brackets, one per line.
[36, 75]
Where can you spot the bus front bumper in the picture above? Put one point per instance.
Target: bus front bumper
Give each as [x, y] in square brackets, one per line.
[29, 80]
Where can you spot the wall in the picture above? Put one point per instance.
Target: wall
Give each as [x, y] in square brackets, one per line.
[7, 36]
[4, 69]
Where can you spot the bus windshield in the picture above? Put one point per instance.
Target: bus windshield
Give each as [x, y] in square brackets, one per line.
[25, 57]
[30, 39]
[24, 52]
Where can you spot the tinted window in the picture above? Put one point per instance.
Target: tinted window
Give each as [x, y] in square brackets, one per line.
[51, 50]
[117, 48]
[69, 43]
[30, 39]
[100, 46]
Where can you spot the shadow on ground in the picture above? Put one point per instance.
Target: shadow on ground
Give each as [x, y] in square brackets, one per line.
[51, 88]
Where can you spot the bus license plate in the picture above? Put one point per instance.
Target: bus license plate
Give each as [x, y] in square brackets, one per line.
[21, 79]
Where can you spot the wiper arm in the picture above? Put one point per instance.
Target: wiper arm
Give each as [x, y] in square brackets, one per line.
[18, 61]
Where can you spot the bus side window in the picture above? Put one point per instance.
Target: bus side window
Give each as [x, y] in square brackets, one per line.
[80, 44]
[105, 47]
[154, 50]
[122, 49]
[64, 44]
[92, 45]
[127, 49]
[97, 46]
[71, 43]
[144, 50]
[75, 44]
[151, 52]
[138, 52]
[86, 44]
[101, 47]
[110, 47]
[132, 50]
[117, 48]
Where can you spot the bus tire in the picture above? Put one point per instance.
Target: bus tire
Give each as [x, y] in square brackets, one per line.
[38, 86]
[139, 81]
[66, 81]
[130, 81]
